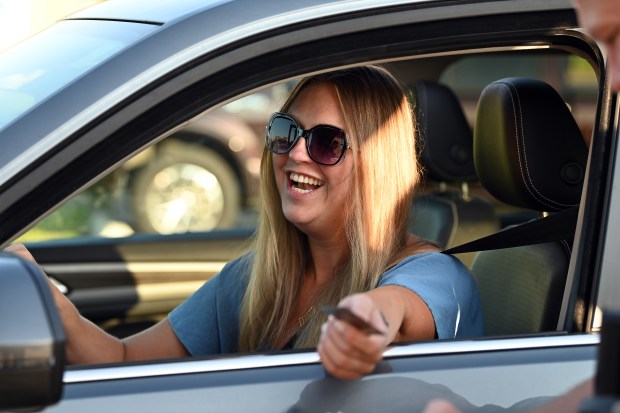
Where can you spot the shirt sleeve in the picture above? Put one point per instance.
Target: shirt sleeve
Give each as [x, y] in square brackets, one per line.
[448, 289]
[207, 323]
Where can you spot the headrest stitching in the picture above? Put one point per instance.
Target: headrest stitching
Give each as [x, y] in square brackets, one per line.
[523, 166]
[518, 118]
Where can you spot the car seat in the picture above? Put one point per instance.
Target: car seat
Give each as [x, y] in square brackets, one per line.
[449, 215]
[528, 152]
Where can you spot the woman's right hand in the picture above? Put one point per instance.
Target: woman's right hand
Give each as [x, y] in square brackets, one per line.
[21, 251]
[87, 343]
[65, 307]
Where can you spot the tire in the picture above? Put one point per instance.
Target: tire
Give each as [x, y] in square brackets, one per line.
[185, 188]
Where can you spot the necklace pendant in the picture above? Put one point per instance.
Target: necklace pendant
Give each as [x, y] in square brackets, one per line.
[302, 320]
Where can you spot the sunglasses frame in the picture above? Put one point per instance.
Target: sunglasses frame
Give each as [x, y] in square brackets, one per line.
[300, 132]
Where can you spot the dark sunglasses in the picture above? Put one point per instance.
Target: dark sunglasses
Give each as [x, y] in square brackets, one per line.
[325, 144]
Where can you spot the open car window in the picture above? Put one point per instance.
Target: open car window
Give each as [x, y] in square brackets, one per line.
[149, 233]
[204, 177]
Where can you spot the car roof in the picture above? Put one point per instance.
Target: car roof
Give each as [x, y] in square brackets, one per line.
[159, 12]
[148, 11]
[145, 11]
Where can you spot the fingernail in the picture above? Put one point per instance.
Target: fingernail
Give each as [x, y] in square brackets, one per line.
[338, 325]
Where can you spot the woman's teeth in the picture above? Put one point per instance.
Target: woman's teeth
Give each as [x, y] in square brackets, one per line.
[304, 184]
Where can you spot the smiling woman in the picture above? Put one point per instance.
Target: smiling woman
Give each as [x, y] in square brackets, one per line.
[332, 231]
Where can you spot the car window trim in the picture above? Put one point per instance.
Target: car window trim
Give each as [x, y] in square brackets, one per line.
[243, 362]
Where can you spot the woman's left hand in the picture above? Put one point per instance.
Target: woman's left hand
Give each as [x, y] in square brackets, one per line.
[347, 352]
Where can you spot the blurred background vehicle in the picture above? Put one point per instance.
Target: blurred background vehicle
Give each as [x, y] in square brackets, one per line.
[201, 178]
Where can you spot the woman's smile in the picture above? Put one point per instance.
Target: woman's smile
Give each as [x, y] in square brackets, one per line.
[304, 184]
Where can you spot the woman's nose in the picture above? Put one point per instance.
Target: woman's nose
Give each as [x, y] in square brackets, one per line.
[299, 152]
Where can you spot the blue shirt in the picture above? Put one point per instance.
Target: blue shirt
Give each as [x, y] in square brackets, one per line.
[208, 321]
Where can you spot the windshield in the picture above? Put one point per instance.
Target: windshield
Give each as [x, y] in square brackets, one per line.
[43, 64]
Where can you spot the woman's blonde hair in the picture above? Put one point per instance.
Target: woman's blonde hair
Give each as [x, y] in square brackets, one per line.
[380, 130]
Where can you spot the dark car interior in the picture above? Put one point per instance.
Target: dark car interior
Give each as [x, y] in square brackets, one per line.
[531, 154]
[527, 151]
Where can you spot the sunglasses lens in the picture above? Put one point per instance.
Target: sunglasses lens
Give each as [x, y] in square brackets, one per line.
[326, 144]
[281, 134]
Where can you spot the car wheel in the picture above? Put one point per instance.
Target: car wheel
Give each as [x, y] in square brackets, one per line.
[185, 187]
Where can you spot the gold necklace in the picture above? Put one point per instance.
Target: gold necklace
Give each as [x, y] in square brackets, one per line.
[302, 320]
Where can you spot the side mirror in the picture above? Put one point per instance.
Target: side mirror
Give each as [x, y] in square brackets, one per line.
[32, 342]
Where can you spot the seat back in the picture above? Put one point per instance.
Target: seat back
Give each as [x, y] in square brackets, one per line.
[434, 218]
[528, 152]
[447, 216]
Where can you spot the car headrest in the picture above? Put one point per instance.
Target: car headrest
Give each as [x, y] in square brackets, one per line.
[528, 149]
[445, 139]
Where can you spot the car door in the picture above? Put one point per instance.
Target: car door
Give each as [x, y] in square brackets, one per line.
[482, 371]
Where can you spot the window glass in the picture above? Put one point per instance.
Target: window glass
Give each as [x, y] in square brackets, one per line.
[205, 176]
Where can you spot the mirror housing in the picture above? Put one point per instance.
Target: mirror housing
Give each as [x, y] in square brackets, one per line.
[32, 342]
